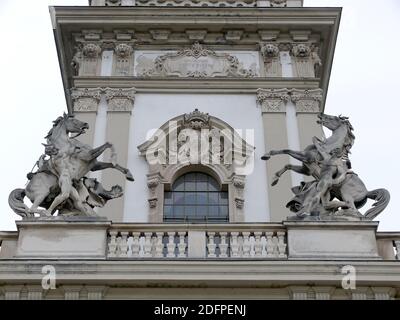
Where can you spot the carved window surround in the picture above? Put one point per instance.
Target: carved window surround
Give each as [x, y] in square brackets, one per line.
[88, 99]
[274, 100]
[187, 128]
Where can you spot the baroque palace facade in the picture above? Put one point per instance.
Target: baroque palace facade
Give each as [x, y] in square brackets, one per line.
[150, 76]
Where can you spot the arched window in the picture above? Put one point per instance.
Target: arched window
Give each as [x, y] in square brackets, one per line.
[196, 197]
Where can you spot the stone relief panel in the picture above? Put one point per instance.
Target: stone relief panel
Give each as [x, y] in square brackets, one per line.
[196, 62]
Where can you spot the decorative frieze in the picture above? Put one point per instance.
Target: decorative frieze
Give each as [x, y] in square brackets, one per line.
[195, 62]
[85, 99]
[198, 3]
[307, 101]
[272, 100]
[120, 100]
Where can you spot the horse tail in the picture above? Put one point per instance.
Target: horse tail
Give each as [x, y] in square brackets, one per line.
[382, 198]
[16, 202]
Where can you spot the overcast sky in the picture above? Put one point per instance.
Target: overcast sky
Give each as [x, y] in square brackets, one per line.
[364, 86]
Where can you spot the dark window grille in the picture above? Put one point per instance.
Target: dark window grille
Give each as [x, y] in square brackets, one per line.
[196, 197]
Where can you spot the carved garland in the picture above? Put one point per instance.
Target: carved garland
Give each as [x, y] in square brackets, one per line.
[167, 65]
[198, 3]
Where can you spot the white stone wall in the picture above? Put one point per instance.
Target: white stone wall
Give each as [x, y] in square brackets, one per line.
[153, 110]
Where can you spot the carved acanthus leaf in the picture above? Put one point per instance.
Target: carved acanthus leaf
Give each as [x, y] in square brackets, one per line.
[272, 100]
[86, 99]
[307, 100]
[120, 99]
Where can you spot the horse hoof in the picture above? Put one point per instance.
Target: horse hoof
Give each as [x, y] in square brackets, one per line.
[129, 177]
[274, 182]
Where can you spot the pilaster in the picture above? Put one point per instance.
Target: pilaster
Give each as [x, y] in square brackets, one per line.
[119, 109]
[273, 110]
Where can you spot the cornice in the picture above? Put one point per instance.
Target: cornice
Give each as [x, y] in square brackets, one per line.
[206, 85]
[193, 272]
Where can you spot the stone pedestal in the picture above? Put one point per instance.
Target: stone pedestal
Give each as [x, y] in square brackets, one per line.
[71, 238]
[327, 240]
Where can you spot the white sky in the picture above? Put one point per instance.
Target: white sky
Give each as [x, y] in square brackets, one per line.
[363, 86]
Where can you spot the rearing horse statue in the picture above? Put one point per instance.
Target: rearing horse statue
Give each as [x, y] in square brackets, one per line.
[351, 191]
[61, 178]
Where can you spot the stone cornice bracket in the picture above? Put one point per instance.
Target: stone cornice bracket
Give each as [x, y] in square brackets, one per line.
[120, 100]
[307, 101]
[270, 53]
[306, 59]
[85, 99]
[123, 50]
[160, 34]
[272, 100]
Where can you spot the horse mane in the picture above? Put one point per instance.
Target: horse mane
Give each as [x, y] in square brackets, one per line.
[55, 124]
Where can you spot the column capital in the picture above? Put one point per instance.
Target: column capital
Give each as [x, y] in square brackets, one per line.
[272, 100]
[120, 100]
[85, 99]
[307, 100]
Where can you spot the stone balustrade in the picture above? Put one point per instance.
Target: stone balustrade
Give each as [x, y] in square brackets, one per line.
[389, 245]
[175, 241]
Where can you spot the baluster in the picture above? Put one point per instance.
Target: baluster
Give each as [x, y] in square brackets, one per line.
[211, 245]
[246, 244]
[234, 244]
[397, 244]
[123, 245]
[276, 250]
[148, 244]
[135, 247]
[257, 244]
[159, 251]
[263, 246]
[223, 246]
[270, 244]
[171, 245]
[182, 245]
[281, 244]
[112, 244]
